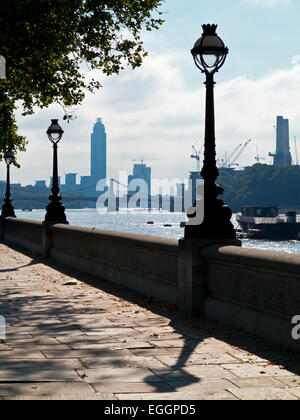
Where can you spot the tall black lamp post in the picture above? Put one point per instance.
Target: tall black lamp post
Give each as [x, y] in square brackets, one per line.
[210, 54]
[8, 208]
[55, 210]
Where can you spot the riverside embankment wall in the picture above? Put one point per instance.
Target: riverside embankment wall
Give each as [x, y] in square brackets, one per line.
[253, 290]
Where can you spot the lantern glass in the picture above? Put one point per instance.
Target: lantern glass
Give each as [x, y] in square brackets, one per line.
[209, 51]
[55, 132]
[9, 157]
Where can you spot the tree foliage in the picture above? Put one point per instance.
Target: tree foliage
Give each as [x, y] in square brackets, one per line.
[262, 185]
[48, 43]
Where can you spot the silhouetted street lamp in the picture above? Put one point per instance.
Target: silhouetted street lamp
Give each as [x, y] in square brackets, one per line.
[7, 208]
[210, 54]
[55, 210]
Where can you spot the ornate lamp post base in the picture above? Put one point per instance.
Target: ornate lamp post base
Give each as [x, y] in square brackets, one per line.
[8, 209]
[55, 213]
[217, 222]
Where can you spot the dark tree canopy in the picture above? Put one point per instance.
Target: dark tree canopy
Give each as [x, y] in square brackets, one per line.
[262, 185]
[47, 43]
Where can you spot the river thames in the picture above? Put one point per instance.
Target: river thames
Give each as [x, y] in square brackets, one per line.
[163, 224]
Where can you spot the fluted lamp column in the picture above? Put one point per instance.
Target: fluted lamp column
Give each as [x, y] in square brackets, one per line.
[8, 208]
[209, 54]
[55, 211]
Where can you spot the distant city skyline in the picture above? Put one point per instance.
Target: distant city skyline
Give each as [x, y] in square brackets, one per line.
[158, 110]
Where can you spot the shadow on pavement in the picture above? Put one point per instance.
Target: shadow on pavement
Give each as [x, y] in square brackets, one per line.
[192, 331]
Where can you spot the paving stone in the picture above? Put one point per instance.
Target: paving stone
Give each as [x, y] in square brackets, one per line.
[157, 321]
[278, 357]
[111, 332]
[178, 396]
[35, 322]
[59, 332]
[193, 373]
[84, 341]
[247, 370]
[117, 375]
[30, 341]
[262, 394]
[261, 382]
[177, 343]
[135, 345]
[132, 387]
[154, 330]
[197, 359]
[4, 347]
[209, 346]
[295, 392]
[17, 336]
[52, 389]
[157, 336]
[290, 381]
[63, 397]
[204, 385]
[40, 347]
[158, 351]
[21, 354]
[39, 371]
[219, 396]
[124, 361]
[87, 353]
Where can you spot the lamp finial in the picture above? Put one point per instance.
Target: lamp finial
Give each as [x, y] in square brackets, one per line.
[209, 29]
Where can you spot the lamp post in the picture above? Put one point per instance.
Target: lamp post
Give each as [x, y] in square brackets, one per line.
[7, 208]
[55, 211]
[209, 55]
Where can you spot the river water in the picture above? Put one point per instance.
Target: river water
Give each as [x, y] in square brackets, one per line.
[137, 222]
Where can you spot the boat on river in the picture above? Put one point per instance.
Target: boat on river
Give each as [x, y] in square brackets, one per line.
[265, 222]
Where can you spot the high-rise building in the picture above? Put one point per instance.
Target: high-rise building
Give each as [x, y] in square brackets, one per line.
[143, 172]
[195, 180]
[71, 181]
[140, 181]
[283, 155]
[98, 152]
[41, 185]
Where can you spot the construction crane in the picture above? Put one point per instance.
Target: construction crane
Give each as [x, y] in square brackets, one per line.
[228, 159]
[257, 157]
[238, 154]
[142, 160]
[197, 156]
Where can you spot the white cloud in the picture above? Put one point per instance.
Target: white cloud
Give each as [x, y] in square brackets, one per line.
[267, 3]
[296, 60]
[153, 112]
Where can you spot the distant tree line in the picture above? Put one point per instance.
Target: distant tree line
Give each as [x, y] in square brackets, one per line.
[262, 185]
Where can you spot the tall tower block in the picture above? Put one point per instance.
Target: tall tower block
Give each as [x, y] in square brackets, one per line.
[283, 155]
[98, 152]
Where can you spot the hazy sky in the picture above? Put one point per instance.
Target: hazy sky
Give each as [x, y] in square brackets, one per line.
[157, 111]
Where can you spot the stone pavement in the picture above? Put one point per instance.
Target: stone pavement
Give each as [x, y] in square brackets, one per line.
[94, 340]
